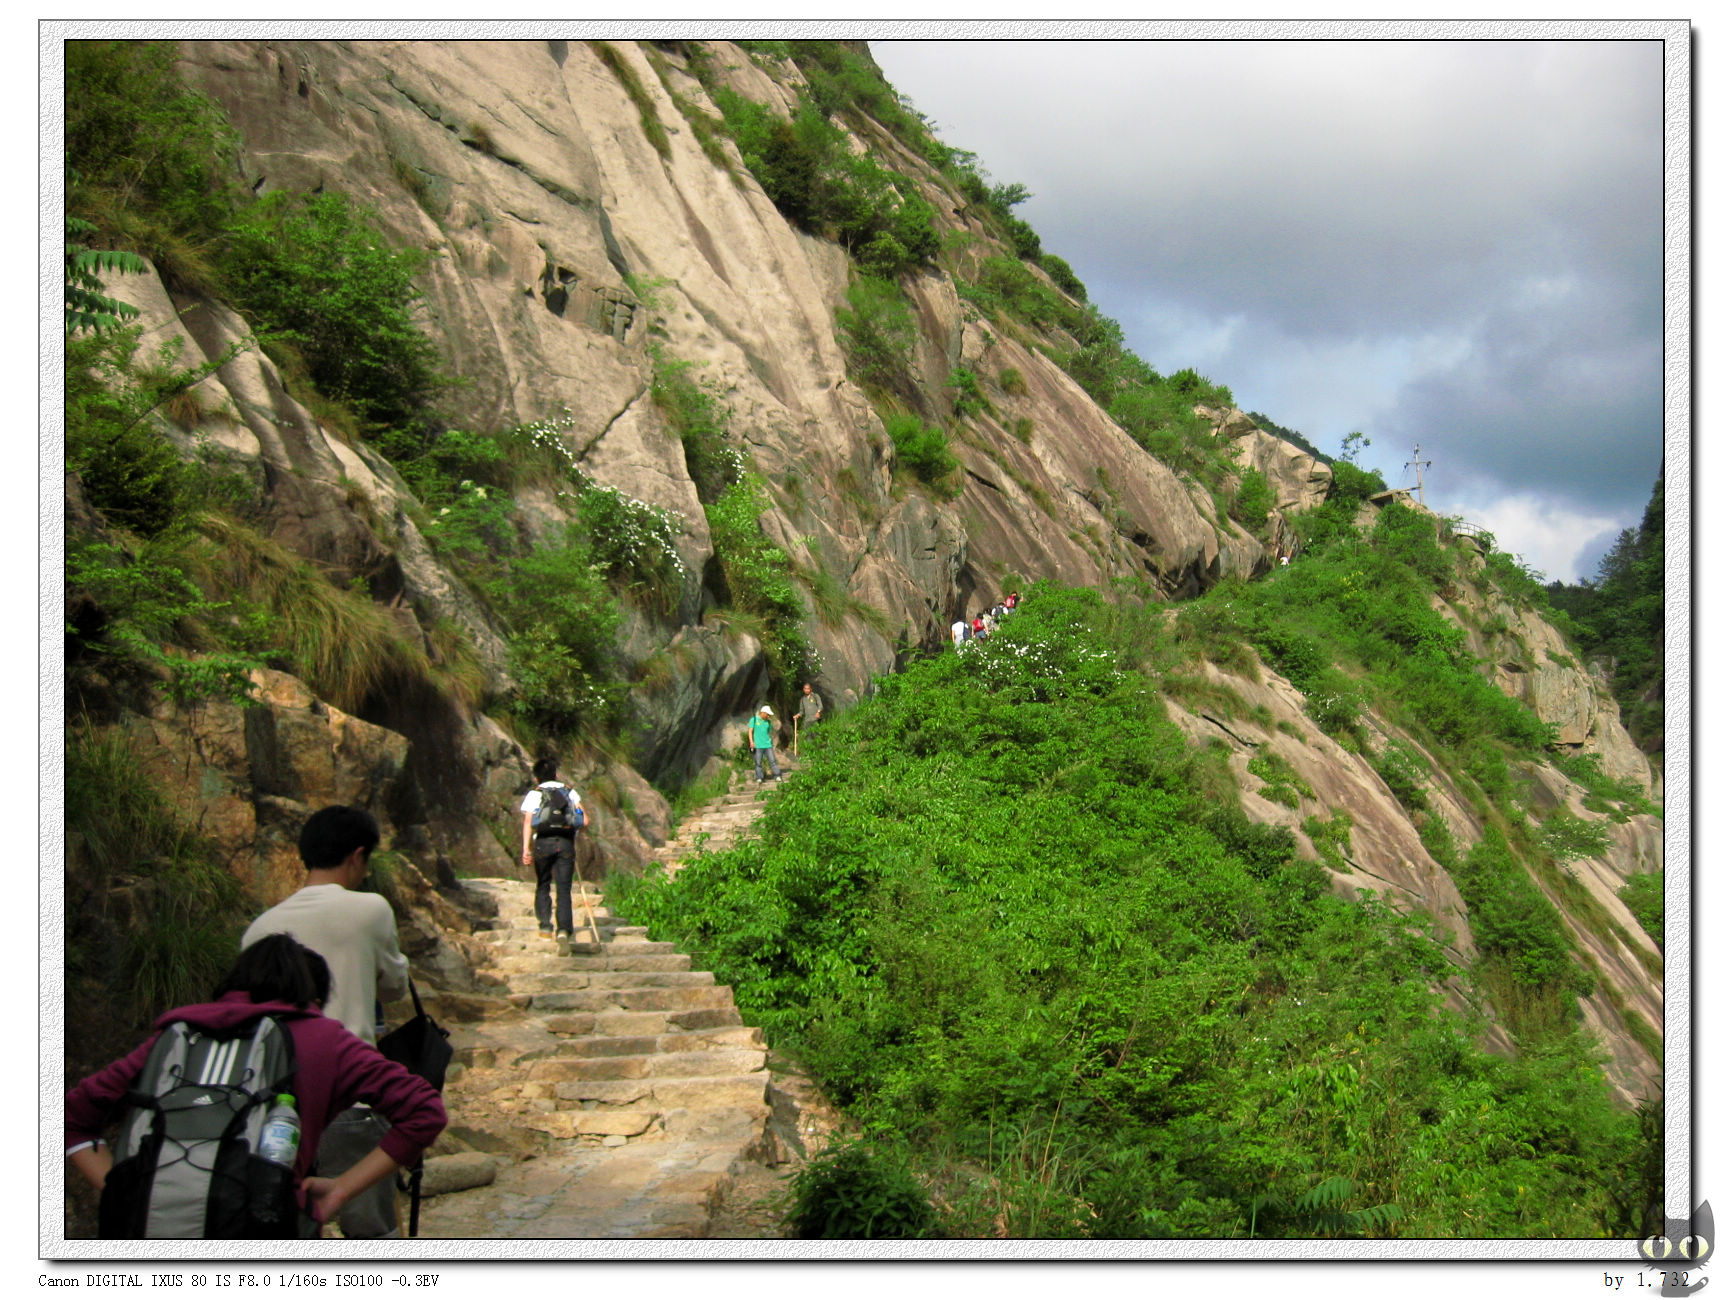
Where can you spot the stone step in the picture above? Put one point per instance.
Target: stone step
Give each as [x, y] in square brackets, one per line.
[666, 1093]
[673, 1065]
[550, 963]
[650, 979]
[590, 1123]
[639, 1023]
[702, 1040]
[669, 1000]
[630, 946]
[538, 987]
[517, 926]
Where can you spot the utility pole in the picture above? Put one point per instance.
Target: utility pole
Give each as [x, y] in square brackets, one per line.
[1420, 466]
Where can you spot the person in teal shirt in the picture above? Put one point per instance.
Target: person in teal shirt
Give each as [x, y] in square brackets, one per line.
[763, 742]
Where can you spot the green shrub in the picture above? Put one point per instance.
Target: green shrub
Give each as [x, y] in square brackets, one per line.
[1332, 837]
[1565, 837]
[126, 467]
[1644, 895]
[700, 418]
[877, 332]
[1402, 768]
[970, 399]
[923, 448]
[562, 651]
[818, 183]
[1253, 501]
[1283, 784]
[315, 272]
[758, 577]
[634, 543]
[1510, 918]
[1062, 276]
[150, 161]
[857, 1191]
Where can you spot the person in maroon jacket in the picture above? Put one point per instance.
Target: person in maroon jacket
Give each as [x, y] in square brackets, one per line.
[334, 1069]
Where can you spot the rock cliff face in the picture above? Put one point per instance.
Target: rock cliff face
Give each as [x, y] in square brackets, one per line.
[568, 250]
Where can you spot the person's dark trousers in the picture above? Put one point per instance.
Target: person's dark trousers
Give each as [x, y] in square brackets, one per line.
[555, 863]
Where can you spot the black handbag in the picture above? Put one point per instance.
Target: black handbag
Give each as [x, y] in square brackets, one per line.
[419, 1045]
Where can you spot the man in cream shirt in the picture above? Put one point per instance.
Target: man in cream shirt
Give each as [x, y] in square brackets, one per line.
[355, 933]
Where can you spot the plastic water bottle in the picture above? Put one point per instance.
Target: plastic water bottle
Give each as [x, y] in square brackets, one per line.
[279, 1139]
[270, 1176]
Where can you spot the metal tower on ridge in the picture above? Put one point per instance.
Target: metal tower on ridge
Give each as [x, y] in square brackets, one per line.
[1420, 466]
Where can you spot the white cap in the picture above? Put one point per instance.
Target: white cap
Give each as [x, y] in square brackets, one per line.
[767, 709]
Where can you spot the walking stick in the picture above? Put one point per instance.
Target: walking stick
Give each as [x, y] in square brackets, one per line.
[795, 735]
[588, 912]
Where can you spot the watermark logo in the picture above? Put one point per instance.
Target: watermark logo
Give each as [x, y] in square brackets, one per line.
[1685, 1245]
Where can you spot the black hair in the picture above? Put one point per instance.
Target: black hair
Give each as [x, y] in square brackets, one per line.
[546, 769]
[279, 968]
[332, 833]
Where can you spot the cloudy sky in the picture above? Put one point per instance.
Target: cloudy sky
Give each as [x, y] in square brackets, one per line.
[1452, 244]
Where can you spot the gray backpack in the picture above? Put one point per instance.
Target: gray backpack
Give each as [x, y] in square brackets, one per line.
[186, 1163]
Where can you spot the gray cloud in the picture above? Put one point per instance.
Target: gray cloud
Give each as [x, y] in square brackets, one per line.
[1458, 243]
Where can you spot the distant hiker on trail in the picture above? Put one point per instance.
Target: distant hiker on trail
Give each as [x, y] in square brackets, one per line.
[1013, 600]
[763, 742]
[980, 629]
[552, 815]
[810, 706]
[178, 1189]
[960, 633]
[355, 933]
[998, 611]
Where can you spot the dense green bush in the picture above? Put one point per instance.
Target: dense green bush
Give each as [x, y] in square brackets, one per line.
[128, 468]
[969, 398]
[1644, 895]
[1253, 501]
[1618, 619]
[1005, 900]
[820, 185]
[700, 417]
[1063, 277]
[314, 273]
[857, 1191]
[1511, 918]
[877, 332]
[562, 651]
[150, 161]
[921, 447]
[759, 579]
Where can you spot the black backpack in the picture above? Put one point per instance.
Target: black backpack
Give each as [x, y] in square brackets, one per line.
[558, 813]
[186, 1163]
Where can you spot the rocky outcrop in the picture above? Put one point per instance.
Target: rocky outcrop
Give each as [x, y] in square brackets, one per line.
[562, 237]
[1260, 714]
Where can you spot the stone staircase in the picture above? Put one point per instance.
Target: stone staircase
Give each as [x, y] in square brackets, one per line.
[719, 823]
[621, 1087]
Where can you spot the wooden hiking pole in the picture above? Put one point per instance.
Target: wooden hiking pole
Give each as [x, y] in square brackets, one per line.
[589, 914]
[795, 735]
[583, 893]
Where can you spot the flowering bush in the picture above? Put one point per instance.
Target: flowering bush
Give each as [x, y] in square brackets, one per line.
[634, 541]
